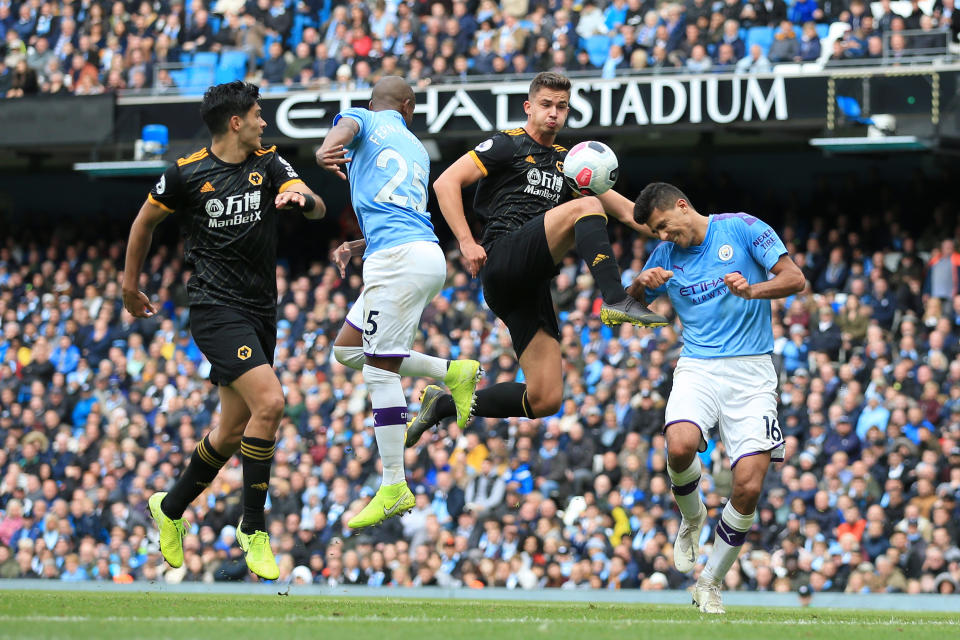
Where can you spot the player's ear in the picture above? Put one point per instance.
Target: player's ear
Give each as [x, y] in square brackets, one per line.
[526, 107]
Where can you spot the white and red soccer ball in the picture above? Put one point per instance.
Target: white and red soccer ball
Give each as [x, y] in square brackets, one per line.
[591, 168]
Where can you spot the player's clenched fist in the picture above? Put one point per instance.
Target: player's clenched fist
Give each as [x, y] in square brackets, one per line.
[738, 285]
[649, 279]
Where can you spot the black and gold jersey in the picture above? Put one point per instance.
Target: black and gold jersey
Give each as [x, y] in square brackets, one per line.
[229, 225]
[521, 180]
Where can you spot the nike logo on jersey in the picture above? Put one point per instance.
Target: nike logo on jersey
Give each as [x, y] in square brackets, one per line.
[600, 258]
[677, 267]
[530, 160]
[207, 188]
[392, 510]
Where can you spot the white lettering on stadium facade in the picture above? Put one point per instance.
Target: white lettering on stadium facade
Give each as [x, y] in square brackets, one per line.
[637, 101]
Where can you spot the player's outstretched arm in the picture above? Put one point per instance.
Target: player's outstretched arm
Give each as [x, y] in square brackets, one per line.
[299, 196]
[618, 206]
[787, 280]
[449, 189]
[138, 245]
[332, 154]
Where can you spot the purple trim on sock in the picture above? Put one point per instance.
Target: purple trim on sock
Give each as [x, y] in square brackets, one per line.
[387, 355]
[389, 416]
[347, 320]
[686, 489]
[730, 535]
[756, 453]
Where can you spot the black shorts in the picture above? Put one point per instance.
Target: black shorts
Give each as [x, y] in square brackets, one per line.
[516, 283]
[233, 341]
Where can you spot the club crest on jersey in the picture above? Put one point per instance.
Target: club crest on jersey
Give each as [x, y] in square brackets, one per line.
[725, 252]
[214, 208]
[256, 179]
[560, 166]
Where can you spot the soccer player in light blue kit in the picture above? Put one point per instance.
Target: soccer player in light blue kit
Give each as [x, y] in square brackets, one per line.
[716, 271]
[403, 269]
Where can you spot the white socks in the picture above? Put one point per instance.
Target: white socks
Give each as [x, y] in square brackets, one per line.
[416, 364]
[686, 489]
[389, 419]
[731, 532]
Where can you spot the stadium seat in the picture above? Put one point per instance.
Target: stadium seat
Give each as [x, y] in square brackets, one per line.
[823, 30]
[762, 36]
[205, 59]
[156, 138]
[851, 110]
[228, 74]
[598, 48]
[186, 57]
[201, 77]
[233, 60]
[180, 77]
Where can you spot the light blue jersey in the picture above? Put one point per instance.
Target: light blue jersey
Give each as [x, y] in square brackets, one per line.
[716, 323]
[388, 172]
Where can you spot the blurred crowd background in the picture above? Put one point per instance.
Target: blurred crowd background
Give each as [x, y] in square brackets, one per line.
[85, 47]
[98, 410]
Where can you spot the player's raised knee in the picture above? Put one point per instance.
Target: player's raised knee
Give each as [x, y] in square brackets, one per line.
[683, 441]
[545, 403]
[587, 205]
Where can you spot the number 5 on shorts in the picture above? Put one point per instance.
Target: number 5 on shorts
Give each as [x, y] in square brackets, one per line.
[371, 324]
[773, 431]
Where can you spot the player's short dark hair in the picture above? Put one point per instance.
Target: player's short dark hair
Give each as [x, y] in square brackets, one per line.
[656, 195]
[549, 80]
[223, 101]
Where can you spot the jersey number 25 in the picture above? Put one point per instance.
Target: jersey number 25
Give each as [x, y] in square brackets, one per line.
[388, 192]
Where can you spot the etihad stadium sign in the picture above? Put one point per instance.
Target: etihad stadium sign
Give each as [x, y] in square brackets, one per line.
[624, 105]
[631, 102]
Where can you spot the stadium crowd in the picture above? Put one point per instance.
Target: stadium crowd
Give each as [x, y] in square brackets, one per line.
[98, 410]
[88, 47]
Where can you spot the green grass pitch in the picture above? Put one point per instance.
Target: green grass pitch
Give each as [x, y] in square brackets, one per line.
[35, 614]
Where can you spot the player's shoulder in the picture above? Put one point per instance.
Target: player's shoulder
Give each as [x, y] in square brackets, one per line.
[737, 219]
[560, 148]
[194, 157]
[266, 151]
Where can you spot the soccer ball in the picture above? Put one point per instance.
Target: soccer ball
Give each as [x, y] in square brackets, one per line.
[591, 168]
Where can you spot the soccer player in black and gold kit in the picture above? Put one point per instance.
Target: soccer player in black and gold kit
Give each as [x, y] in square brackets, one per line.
[532, 219]
[227, 198]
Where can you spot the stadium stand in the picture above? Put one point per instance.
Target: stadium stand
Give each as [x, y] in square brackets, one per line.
[172, 46]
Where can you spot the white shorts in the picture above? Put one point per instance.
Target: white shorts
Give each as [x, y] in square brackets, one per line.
[738, 394]
[397, 284]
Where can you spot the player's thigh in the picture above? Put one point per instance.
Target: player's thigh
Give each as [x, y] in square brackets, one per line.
[352, 329]
[693, 399]
[748, 421]
[398, 283]
[558, 223]
[233, 342]
[542, 371]
[526, 316]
